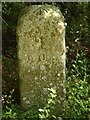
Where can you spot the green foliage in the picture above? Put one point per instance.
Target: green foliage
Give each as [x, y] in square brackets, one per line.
[9, 109]
[78, 89]
[78, 67]
[31, 114]
[14, 111]
[10, 113]
[7, 99]
[77, 100]
[77, 29]
[47, 112]
[10, 12]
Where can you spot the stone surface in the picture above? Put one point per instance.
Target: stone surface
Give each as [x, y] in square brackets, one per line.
[41, 54]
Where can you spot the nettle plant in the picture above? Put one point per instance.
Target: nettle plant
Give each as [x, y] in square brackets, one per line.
[78, 88]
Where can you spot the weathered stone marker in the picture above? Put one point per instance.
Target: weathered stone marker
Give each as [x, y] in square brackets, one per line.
[41, 54]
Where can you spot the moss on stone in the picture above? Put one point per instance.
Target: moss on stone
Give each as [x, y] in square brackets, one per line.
[41, 53]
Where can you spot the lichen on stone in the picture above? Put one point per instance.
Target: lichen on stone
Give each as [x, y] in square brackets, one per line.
[41, 52]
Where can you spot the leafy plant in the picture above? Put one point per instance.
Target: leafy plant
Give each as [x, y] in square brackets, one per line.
[31, 114]
[9, 109]
[48, 111]
[10, 112]
[78, 89]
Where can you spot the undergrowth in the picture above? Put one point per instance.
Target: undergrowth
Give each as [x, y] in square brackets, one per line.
[77, 97]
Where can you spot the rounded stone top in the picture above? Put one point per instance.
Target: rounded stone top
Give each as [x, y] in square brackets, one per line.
[48, 10]
[40, 16]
